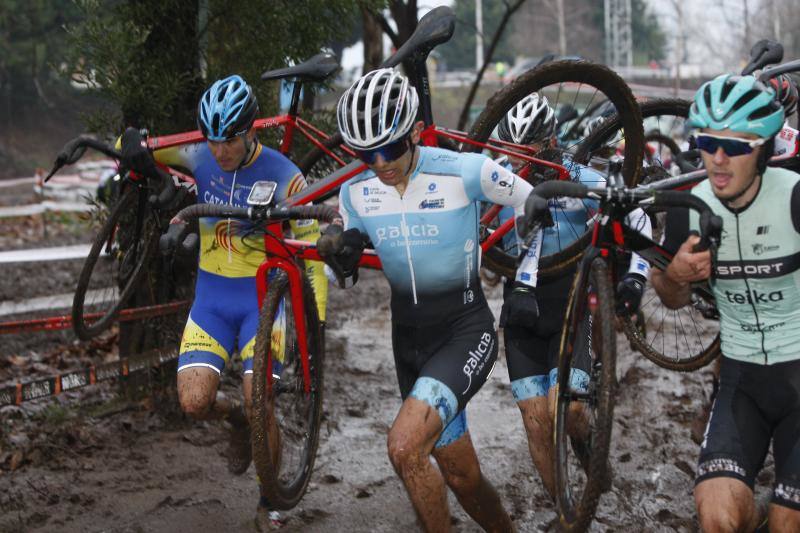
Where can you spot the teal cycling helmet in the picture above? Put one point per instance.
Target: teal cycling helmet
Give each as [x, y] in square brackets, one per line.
[228, 108]
[738, 103]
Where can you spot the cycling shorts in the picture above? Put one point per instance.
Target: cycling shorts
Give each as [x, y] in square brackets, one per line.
[224, 310]
[532, 353]
[755, 405]
[445, 364]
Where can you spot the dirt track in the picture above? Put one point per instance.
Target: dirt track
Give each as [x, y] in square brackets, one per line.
[131, 468]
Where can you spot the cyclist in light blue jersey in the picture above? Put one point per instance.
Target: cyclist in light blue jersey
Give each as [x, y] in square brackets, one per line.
[756, 282]
[420, 208]
[532, 340]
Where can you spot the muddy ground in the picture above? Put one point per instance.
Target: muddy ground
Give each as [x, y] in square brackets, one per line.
[95, 461]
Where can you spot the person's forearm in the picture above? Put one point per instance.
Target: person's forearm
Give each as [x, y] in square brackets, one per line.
[674, 295]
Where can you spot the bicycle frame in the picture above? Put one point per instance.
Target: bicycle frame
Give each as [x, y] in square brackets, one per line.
[283, 254]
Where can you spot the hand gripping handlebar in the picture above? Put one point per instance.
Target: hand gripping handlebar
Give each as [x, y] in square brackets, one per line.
[710, 224]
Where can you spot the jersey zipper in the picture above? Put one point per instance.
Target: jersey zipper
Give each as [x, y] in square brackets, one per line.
[406, 232]
[750, 295]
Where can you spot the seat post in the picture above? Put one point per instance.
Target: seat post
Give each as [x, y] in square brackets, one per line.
[296, 89]
[422, 83]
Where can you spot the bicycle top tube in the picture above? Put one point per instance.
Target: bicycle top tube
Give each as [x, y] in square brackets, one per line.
[521, 152]
[676, 183]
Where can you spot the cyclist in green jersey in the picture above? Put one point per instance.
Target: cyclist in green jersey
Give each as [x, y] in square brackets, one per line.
[756, 285]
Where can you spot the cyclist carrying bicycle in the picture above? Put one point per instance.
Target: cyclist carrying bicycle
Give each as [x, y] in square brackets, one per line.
[419, 208]
[755, 282]
[532, 340]
[224, 315]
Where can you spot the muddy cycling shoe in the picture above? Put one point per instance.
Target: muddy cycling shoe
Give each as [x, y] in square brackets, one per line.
[267, 519]
[583, 450]
[240, 452]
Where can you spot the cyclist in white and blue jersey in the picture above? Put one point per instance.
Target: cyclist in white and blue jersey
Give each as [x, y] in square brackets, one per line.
[419, 206]
[532, 339]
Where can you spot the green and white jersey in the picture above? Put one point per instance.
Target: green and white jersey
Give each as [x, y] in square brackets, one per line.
[757, 283]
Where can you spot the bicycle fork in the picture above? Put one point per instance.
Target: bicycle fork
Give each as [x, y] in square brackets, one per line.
[298, 310]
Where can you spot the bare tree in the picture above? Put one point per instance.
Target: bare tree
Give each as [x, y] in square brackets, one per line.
[510, 9]
[373, 40]
[404, 15]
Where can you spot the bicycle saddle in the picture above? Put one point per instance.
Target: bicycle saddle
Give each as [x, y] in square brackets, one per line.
[317, 68]
[435, 28]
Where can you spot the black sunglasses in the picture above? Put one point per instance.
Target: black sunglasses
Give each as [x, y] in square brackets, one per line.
[388, 152]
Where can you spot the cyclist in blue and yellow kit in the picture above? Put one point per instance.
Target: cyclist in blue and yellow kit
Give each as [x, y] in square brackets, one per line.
[224, 315]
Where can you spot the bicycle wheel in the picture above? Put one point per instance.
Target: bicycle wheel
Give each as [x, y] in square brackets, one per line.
[664, 124]
[113, 267]
[585, 404]
[286, 419]
[317, 164]
[682, 339]
[582, 85]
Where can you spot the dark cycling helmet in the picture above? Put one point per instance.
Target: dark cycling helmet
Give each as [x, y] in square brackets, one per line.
[378, 109]
[531, 120]
[785, 92]
[228, 108]
[738, 103]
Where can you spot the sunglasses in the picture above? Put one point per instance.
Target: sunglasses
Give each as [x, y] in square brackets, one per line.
[730, 145]
[388, 152]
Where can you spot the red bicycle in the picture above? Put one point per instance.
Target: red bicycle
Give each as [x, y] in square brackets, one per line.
[140, 208]
[289, 348]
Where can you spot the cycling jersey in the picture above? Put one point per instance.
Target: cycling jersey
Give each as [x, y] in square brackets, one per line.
[226, 306]
[427, 239]
[570, 215]
[443, 337]
[571, 219]
[757, 272]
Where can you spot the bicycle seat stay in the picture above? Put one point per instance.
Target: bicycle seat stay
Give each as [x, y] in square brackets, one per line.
[318, 68]
[435, 28]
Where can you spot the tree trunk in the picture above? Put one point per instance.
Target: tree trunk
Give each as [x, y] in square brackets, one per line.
[162, 284]
[373, 41]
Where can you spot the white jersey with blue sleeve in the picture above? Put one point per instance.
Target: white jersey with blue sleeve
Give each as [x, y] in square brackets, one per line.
[427, 239]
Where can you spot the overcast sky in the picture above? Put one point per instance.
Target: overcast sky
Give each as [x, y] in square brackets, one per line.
[711, 32]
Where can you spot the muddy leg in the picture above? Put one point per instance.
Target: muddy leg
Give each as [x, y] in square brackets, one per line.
[783, 519]
[410, 444]
[459, 464]
[199, 397]
[725, 505]
[538, 422]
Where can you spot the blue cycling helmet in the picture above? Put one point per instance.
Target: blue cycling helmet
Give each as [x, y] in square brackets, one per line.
[227, 108]
[738, 103]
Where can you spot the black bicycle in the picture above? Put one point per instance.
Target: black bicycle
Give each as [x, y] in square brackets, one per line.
[585, 406]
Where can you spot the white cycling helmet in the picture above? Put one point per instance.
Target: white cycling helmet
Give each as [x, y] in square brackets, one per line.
[593, 125]
[531, 120]
[377, 110]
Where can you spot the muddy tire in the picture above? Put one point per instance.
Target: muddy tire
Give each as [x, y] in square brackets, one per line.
[578, 488]
[584, 73]
[317, 164]
[286, 418]
[117, 257]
